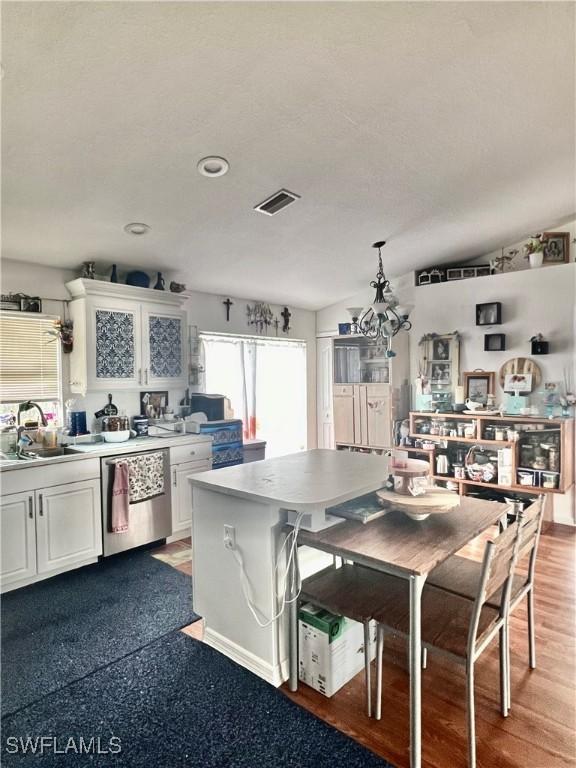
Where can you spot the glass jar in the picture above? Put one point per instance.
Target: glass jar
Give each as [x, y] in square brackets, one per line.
[554, 459]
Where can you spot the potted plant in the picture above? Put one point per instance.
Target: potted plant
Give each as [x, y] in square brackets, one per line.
[534, 251]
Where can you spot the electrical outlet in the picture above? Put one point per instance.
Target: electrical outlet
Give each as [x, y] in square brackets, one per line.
[229, 537]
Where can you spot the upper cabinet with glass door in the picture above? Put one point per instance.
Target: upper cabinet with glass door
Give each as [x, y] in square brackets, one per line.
[164, 344]
[126, 337]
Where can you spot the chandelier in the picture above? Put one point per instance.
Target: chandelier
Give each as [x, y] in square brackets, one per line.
[385, 317]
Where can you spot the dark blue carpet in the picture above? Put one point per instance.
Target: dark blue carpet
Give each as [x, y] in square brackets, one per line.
[177, 703]
[61, 629]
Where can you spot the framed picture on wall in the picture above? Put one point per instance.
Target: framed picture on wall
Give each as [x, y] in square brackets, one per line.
[440, 349]
[556, 247]
[440, 373]
[489, 314]
[478, 385]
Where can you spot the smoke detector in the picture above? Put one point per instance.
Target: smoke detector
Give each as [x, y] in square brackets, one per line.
[276, 202]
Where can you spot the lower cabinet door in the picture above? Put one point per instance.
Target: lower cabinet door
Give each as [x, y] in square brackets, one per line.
[18, 534]
[68, 525]
[182, 494]
[379, 421]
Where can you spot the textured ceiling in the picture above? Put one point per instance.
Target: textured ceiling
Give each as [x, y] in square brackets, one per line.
[445, 128]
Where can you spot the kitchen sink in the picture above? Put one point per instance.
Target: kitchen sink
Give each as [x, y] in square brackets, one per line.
[40, 453]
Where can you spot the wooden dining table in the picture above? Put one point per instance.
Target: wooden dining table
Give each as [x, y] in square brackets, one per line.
[400, 546]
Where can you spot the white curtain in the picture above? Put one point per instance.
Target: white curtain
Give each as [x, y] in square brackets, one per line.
[265, 380]
[248, 367]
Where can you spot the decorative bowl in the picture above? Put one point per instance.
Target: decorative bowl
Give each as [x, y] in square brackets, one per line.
[138, 279]
[436, 501]
[116, 437]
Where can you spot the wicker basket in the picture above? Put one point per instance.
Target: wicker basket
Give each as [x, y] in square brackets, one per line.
[479, 472]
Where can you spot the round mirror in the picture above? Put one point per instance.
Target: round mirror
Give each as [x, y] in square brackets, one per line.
[521, 365]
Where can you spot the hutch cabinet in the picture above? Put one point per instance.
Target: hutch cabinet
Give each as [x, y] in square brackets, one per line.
[126, 337]
[370, 391]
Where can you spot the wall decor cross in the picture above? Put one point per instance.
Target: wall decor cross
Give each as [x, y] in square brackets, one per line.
[228, 304]
[286, 315]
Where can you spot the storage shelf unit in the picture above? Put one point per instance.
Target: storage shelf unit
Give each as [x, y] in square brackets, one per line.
[560, 430]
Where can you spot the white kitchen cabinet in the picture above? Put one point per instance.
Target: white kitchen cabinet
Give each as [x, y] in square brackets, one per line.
[126, 337]
[182, 494]
[18, 532]
[68, 525]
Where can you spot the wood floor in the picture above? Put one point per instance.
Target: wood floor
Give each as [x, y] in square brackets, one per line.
[540, 731]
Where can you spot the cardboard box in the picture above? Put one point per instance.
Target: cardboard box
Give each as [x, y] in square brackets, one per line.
[331, 649]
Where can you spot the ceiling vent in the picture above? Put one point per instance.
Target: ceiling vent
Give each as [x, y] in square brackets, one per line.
[276, 202]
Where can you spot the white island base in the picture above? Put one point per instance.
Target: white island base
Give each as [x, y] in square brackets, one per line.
[256, 500]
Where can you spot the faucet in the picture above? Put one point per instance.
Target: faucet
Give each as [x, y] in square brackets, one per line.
[28, 405]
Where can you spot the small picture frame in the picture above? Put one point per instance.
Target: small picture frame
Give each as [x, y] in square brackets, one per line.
[489, 313]
[455, 273]
[344, 329]
[153, 404]
[441, 373]
[440, 349]
[556, 247]
[483, 271]
[478, 385]
[494, 342]
[540, 347]
[31, 304]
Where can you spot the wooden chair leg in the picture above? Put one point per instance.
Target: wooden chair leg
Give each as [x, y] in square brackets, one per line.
[367, 668]
[470, 713]
[531, 631]
[379, 666]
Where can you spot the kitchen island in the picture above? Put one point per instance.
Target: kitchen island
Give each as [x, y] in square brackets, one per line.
[255, 501]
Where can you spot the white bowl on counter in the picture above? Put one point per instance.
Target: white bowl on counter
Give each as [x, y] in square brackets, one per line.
[116, 437]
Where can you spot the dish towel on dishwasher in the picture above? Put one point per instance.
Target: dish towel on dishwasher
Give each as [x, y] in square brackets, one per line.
[145, 476]
[120, 489]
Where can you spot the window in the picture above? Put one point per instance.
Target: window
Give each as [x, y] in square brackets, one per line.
[30, 366]
[265, 381]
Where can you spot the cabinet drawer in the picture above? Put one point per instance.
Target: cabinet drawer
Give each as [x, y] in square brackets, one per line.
[343, 389]
[181, 454]
[46, 475]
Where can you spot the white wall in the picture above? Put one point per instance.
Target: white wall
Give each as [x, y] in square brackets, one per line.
[533, 301]
[204, 310]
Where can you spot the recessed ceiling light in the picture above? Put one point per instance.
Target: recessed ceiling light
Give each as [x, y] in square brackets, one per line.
[137, 228]
[213, 166]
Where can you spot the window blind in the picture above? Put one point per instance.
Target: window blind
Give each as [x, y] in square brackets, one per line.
[29, 359]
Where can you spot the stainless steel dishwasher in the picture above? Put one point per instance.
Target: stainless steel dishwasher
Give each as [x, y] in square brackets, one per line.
[149, 520]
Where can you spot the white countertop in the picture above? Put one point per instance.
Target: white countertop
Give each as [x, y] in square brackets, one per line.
[318, 478]
[88, 450]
